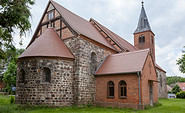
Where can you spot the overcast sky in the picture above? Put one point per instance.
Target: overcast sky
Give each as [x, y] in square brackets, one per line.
[166, 18]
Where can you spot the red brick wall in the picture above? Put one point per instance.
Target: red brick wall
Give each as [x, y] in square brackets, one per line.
[146, 75]
[132, 99]
[148, 43]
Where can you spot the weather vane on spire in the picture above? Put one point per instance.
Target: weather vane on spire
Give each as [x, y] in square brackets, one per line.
[142, 3]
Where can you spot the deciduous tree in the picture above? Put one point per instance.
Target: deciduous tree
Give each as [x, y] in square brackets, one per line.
[181, 62]
[14, 14]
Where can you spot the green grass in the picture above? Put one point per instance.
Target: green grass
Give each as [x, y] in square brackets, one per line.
[168, 106]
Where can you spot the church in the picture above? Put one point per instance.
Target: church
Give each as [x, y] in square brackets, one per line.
[71, 61]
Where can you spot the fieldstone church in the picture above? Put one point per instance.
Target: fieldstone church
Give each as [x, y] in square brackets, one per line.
[72, 61]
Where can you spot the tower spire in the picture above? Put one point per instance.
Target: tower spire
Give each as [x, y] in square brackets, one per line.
[143, 24]
[142, 3]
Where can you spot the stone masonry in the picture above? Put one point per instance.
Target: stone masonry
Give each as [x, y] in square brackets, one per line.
[57, 92]
[162, 87]
[84, 81]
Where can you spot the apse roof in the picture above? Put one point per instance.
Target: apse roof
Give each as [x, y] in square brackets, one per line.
[127, 62]
[48, 44]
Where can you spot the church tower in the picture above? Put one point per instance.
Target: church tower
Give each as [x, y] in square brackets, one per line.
[143, 35]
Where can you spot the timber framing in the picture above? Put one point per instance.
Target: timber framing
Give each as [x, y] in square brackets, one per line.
[50, 22]
[106, 36]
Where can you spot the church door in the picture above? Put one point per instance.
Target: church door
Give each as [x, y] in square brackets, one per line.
[151, 94]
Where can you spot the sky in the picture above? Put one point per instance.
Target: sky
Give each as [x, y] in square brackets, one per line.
[166, 18]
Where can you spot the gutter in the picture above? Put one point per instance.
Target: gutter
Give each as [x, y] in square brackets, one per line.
[139, 79]
[117, 73]
[101, 63]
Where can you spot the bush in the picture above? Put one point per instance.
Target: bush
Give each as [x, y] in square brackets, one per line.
[176, 89]
[180, 94]
[12, 99]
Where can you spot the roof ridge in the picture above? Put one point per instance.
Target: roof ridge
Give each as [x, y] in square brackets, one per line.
[68, 10]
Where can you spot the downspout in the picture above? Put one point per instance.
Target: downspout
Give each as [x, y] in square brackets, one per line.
[139, 78]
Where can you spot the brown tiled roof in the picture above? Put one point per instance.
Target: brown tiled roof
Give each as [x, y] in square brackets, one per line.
[48, 44]
[181, 85]
[126, 62]
[157, 66]
[120, 41]
[81, 26]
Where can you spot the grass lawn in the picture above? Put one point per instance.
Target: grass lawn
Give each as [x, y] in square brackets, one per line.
[168, 106]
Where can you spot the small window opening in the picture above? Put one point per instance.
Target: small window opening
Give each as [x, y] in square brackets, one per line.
[141, 39]
[93, 63]
[22, 76]
[47, 75]
[152, 39]
[161, 84]
[50, 15]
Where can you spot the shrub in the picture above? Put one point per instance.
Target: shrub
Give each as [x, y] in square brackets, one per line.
[12, 99]
[180, 94]
[176, 89]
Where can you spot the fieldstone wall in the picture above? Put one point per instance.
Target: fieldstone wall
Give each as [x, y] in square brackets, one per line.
[84, 81]
[57, 92]
[162, 85]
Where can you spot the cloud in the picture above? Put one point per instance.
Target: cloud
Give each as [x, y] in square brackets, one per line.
[167, 56]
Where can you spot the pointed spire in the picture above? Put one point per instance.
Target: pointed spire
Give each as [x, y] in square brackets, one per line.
[143, 24]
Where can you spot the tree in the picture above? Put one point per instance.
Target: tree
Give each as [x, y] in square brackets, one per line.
[14, 14]
[181, 62]
[9, 76]
[176, 89]
[174, 79]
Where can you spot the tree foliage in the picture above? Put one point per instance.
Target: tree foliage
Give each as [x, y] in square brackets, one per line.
[14, 14]
[181, 94]
[176, 89]
[9, 76]
[174, 79]
[181, 62]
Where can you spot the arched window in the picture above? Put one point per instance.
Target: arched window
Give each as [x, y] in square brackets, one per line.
[47, 74]
[22, 76]
[122, 89]
[110, 89]
[141, 39]
[93, 63]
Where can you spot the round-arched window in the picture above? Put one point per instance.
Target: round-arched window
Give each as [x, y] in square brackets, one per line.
[141, 39]
[93, 64]
[22, 76]
[122, 89]
[110, 89]
[47, 74]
